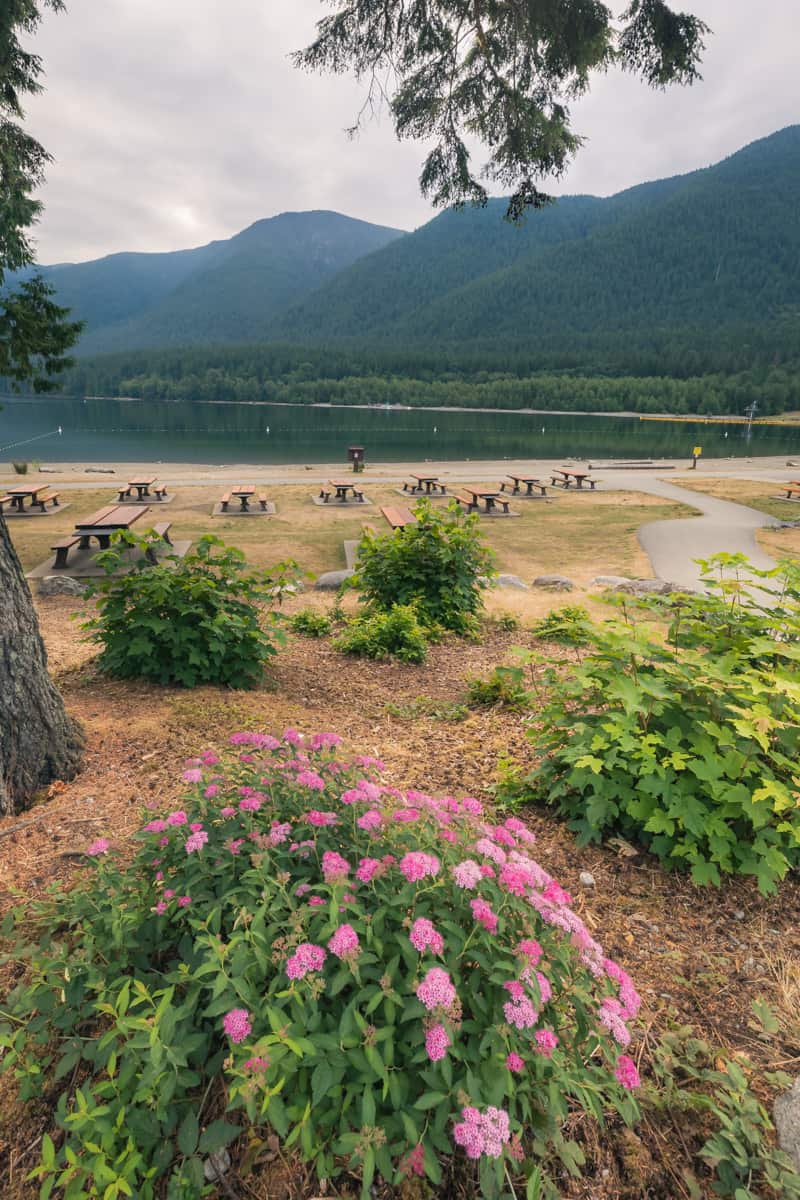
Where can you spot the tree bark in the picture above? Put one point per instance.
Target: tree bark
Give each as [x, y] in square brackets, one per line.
[39, 741]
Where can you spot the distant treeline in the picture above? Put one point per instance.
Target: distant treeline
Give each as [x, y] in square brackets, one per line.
[668, 374]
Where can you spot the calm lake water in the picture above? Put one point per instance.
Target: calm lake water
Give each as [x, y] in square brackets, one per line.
[158, 431]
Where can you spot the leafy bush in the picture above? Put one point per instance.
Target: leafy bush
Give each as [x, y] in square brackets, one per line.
[188, 620]
[740, 1154]
[567, 625]
[396, 633]
[310, 623]
[382, 978]
[438, 565]
[506, 621]
[20, 468]
[687, 745]
[503, 687]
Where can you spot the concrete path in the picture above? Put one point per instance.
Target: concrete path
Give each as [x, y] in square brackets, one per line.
[673, 545]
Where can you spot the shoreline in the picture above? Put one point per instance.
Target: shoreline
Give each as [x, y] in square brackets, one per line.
[108, 473]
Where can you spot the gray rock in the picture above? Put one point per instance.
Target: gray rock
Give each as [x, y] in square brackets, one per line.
[60, 585]
[331, 581]
[554, 583]
[510, 581]
[647, 587]
[217, 1165]
[99, 471]
[610, 581]
[787, 1122]
[586, 879]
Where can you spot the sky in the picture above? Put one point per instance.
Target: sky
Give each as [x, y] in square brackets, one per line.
[175, 122]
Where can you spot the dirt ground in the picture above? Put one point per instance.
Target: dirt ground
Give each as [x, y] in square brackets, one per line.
[699, 957]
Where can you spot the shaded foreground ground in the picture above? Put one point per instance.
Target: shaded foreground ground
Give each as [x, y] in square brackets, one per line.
[700, 957]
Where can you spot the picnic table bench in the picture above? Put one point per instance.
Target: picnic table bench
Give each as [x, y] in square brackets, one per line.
[244, 492]
[566, 476]
[430, 484]
[102, 524]
[142, 487]
[398, 516]
[39, 496]
[792, 489]
[491, 499]
[530, 482]
[342, 486]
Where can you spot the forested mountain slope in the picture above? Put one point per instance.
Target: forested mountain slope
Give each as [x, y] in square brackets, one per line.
[226, 291]
[718, 246]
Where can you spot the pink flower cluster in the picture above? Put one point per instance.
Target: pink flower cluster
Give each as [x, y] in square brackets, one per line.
[467, 874]
[484, 913]
[262, 741]
[196, 841]
[417, 865]
[424, 936]
[370, 820]
[321, 819]
[98, 847]
[436, 989]
[307, 957]
[368, 868]
[236, 1024]
[546, 1042]
[344, 943]
[437, 1042]
[482, 1133]
[334, 868]
[514, 1062]
[626, 1073]
[613, 1016]
[311, 779]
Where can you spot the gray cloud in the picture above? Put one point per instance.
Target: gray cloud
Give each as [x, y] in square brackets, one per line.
[175, 123]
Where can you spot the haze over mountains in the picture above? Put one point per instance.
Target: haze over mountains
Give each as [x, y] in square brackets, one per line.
[717, 248]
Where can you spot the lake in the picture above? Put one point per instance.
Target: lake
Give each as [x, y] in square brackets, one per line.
[97, 430]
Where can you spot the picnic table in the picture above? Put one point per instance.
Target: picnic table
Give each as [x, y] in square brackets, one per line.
[429, 482]
[491, 497]
[143, 489]
[102, 524]
[18, 495]
[567, 475]
[342, 486]
[530, 481]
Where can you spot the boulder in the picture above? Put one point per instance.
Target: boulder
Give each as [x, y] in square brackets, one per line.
[60, 585]
[647, 587]
[331, 581]
[610, 581]
[787, 1122]
[554, 583]
[510, 581]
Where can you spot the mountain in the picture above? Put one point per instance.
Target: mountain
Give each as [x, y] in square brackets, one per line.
[715, 247]
[226, 291]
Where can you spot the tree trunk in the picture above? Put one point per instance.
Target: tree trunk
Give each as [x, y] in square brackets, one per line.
[39, 742]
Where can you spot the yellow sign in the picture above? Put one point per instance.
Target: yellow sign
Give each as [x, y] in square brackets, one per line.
[698, 450]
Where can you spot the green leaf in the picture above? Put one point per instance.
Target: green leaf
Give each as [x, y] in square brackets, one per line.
[429, 1100]
[188, 1133]
[218, 1134]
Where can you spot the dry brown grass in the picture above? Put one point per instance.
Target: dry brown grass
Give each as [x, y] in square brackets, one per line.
[759, 494]
[576, 535]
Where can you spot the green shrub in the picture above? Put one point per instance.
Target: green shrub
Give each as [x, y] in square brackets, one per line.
[310, 623]
[505, 621]
[687, 745]
[396, 633]
[696, 1085]
[503, 688]
[373, 974]
[438, 565]
[20, 468]
[188, 620]
[567, 625]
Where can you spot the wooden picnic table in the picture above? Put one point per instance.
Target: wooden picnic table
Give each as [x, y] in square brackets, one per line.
[19, 494]
[567, 475]
[343, 486]
[487, 495]
[245, 492]
[429, 482]
[142, 485]
[105, 521]
[530, 481]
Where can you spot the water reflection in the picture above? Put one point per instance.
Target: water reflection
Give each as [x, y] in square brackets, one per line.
[147, 430]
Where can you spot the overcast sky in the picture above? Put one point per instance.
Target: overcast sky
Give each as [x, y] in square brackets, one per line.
[173, 122]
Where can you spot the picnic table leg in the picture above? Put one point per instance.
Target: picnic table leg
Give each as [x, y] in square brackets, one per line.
[243, 504]
[16, 502]
[83, 544]
[104, 540]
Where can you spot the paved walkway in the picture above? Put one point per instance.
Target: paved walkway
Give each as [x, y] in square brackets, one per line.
[673, 545]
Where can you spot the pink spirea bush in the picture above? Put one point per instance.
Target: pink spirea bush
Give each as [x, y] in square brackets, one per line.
[384, 993]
